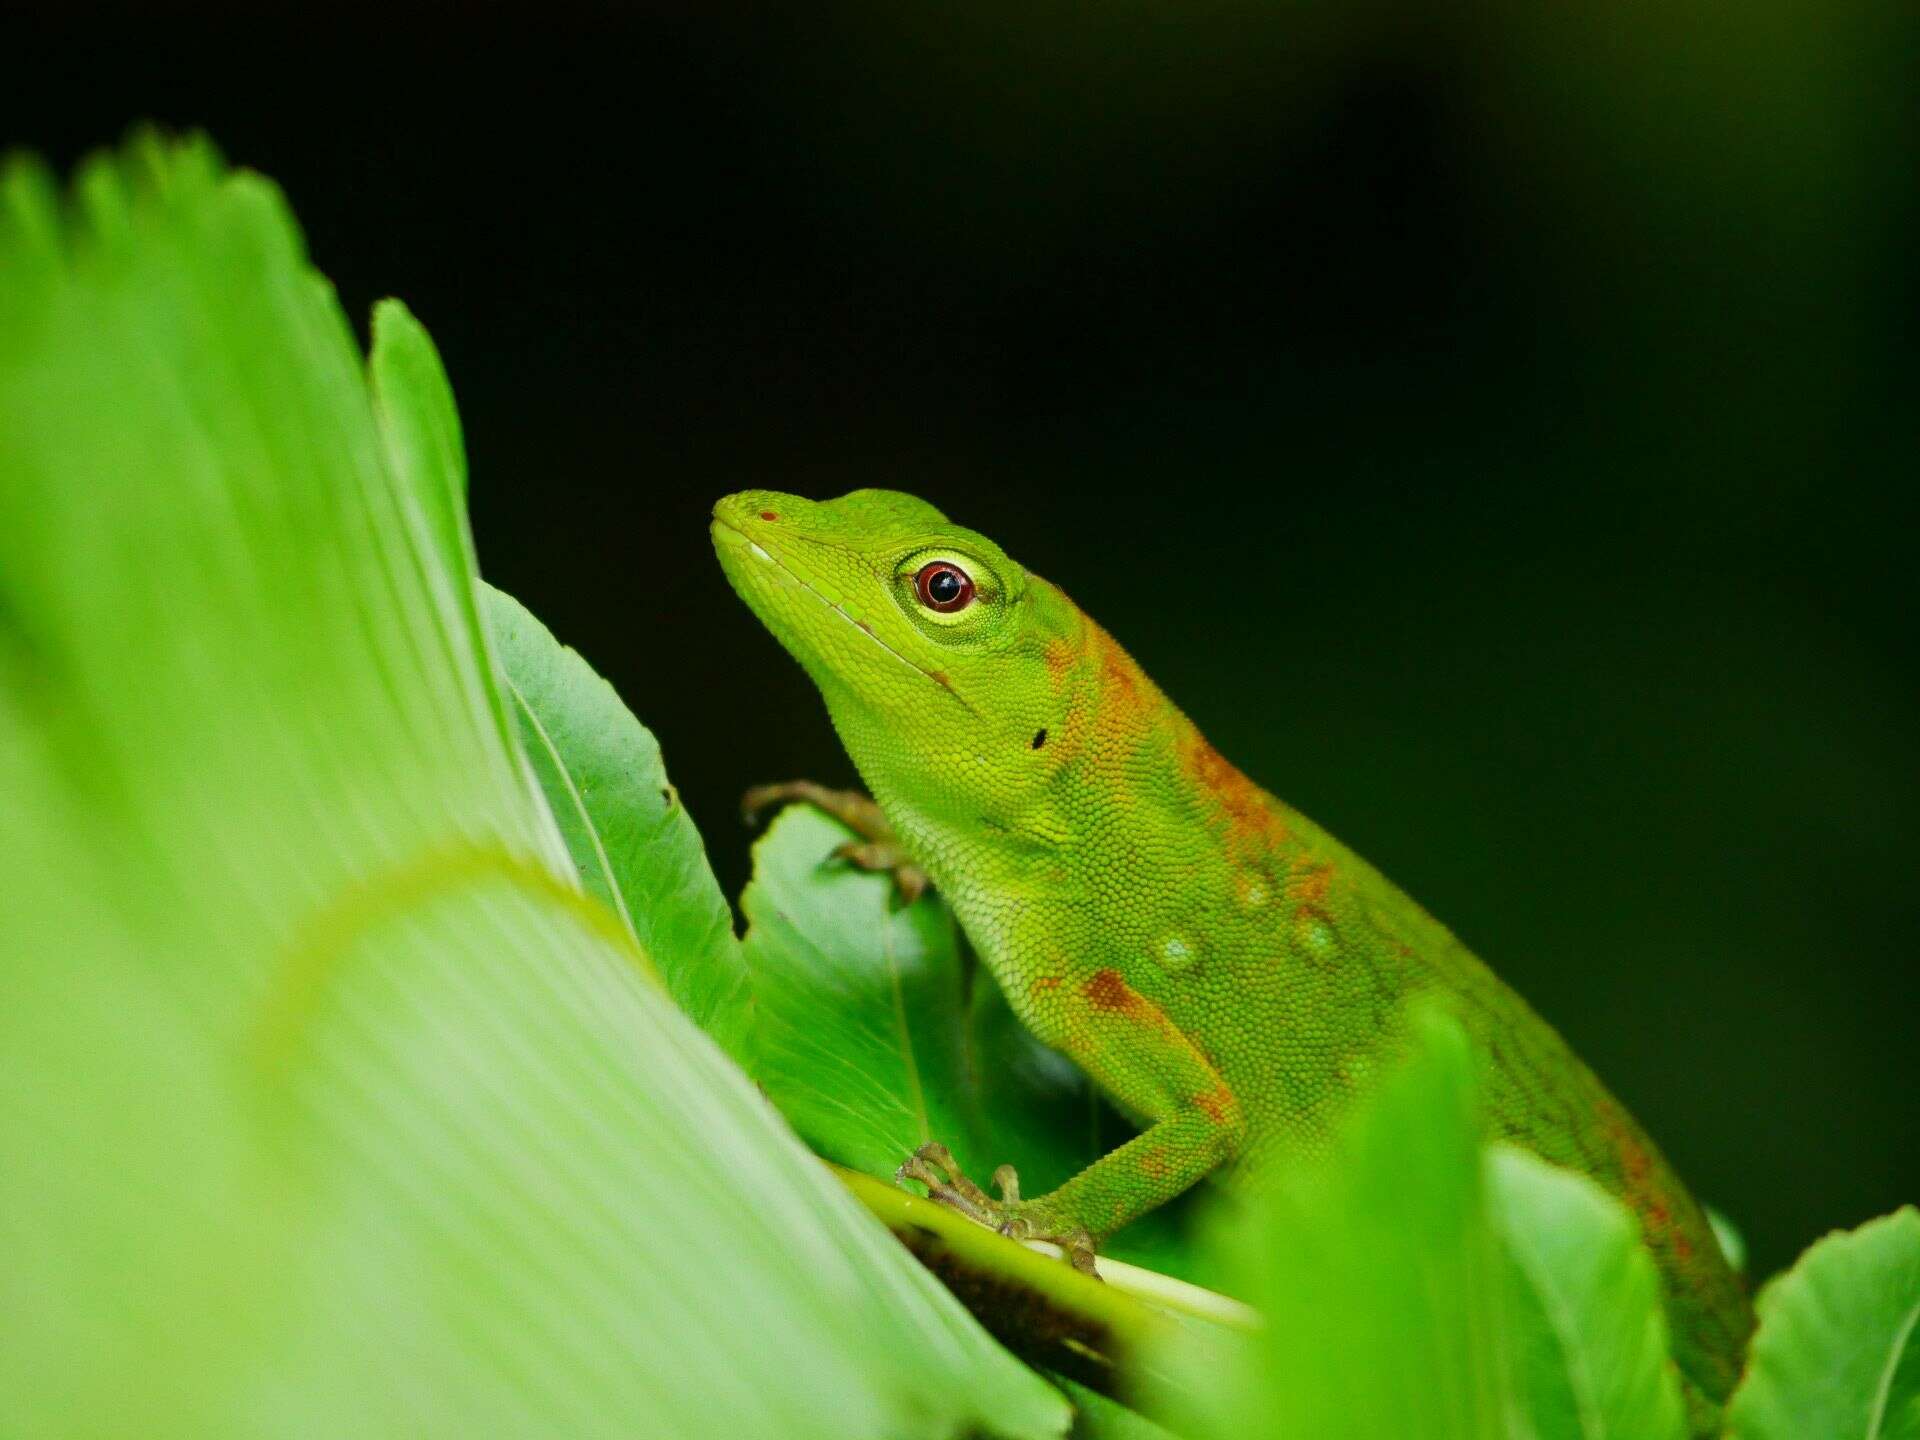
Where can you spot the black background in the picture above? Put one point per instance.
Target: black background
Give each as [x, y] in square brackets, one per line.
[1494, 424]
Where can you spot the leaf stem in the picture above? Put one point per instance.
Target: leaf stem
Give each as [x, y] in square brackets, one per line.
[1106, 1336]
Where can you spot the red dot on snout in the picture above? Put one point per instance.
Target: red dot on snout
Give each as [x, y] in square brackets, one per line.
[768, 515]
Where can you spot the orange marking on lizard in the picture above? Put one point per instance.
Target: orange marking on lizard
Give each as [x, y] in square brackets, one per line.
[1634, 1160]
[1635, 1163]
[1251, 821]
[1119, 675]
[1220, 1103]
[1062, 652]
[1124, 710]
[1060, 656]
[1640, 1187]
[1044, 983]
[1312, 883]
[1153, 1163]
[1108, 990]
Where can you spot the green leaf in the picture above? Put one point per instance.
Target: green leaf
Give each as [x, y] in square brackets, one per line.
[335, 1106]
[1378, 1275]
[1727, 1235]
[1095, 1417]
[423, 444]
[1588, 1329]
[631, 839]
[874, 1033]
[1837, 1354]
[858, 1035]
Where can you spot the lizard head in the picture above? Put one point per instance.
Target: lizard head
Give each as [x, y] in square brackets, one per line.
[927, 641]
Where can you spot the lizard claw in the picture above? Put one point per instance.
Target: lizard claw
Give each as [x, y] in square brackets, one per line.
[933, 1166]
[1007, 1181]
[908, 878]
[1077, 1246]
[876, 849]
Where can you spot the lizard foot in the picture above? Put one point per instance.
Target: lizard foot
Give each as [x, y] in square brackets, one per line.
[933, 1166]
[876, 849]
[909, 880]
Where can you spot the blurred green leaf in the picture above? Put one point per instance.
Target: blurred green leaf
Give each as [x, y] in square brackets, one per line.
[1590, 1337]
[1732, 1243]
[1095, 1417]
[1837, 1354]
[1378, 1275]
[334, 1106]
[874, 1032]
[631, 839]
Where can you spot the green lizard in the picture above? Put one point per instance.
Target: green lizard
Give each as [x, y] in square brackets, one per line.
[1215, 961]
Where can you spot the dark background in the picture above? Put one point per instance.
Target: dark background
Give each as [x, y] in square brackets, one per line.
[1492, 423]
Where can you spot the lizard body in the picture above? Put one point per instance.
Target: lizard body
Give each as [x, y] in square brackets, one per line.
[1215, 961]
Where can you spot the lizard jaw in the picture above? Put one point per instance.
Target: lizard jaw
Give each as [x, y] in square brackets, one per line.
[729, 532]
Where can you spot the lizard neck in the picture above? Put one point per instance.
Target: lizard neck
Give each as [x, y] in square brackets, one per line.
[1122, 797]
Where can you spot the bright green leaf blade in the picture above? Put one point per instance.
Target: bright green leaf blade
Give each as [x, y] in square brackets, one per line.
[120, 1139]
[604, 1258]
[423, 444]
[335, 1107]
[873, 1034]
[1588, 1328]
[1379, 1278]
[1837, 1354]
[858, 1030]
[631, 839]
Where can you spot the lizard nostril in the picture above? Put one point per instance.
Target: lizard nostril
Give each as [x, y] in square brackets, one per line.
[768, 515]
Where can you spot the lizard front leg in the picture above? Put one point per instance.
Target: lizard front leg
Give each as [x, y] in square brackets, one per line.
[878, 847]
[1132, 1050]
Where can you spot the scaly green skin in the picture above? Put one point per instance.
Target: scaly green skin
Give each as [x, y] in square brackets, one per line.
[1215, 961]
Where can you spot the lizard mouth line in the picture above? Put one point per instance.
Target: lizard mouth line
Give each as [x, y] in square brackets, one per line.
[763, 553]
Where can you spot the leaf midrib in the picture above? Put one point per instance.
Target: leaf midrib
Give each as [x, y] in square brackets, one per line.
[1883, 1392]
[580, 806]
[1580, 1378]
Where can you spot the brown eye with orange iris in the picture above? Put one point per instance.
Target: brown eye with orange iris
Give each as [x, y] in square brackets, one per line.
[943, 587]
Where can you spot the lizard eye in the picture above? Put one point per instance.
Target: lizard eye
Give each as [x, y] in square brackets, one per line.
[943, 586]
